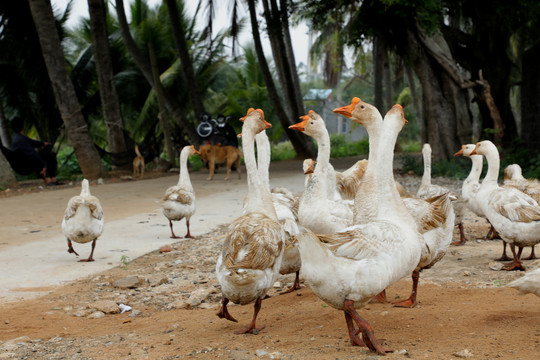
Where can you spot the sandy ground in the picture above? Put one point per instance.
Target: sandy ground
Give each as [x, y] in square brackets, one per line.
[49, 299]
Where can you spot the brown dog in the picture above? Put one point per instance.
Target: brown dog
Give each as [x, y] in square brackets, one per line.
[217, 155]
[138, 163]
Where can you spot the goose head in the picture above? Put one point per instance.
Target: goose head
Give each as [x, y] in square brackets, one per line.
[85, 188]
[360, 112]
[426, 149]
[484, 147]
[190, 149]
[254, 120]
[513, 172]
[312, 124]
[395, 118]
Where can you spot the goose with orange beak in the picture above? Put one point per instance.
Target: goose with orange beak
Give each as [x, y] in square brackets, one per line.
[319, 210]
[179, 200]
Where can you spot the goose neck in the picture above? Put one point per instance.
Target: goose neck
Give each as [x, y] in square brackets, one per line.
[493, 160]
[426, 177]
[259, 198]
[184, 173]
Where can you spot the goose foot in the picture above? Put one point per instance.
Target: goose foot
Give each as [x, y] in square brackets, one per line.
[368, 337]
[251, 328]
[411, 301]
[503, 257]
[91, 257]
[462, 238]
[379, 298]
[70, 248]
[513, 266]
[532, 256]
[173, 235]
[188, 235]
[223, 313]
[296, 285]
[407, 303]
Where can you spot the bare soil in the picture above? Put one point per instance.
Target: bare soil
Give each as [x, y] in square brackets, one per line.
[464, 310]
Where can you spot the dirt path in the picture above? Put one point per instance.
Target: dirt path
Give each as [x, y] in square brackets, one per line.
[464, 308]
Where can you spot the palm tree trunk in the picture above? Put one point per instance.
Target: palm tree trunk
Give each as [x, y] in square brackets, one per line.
[107, 90]
[304, 148]
[378, 68]
[187, 128]
[415, 99]
[183, 52]
[163, 119]
[290, 54]
[5, 133]
[284, 64]
[63, 89]
[6, 175]
[387, 76]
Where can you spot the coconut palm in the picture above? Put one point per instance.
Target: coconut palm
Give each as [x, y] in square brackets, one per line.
[64, 92]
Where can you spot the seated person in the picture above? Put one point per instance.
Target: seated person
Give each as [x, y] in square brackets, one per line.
[42, 163]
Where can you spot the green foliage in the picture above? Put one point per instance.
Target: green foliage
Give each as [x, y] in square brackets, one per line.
[196, 162]
[456, 168]
[340, 147]
[68, 166]
[125, 260]
[282, 151]
[411, 146]
[517, 153]
[411, 163]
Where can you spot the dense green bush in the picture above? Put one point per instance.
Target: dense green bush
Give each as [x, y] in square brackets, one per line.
[282, 151]
[68, 166]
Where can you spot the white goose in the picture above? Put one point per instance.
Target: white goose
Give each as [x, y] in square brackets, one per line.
[316, 210]
[434, 218]
[528, 283]
[83, 220]
[286, 205]
[514, 214]
[471, 185]
[253, 249]
[179, 200]
[514, 178]
[348, 268]
[349, 181]
[428, 190]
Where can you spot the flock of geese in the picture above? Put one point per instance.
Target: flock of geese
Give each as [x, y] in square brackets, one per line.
[351, 234]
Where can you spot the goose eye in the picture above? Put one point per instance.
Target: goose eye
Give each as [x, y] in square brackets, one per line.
[311, 123]
[361, 106]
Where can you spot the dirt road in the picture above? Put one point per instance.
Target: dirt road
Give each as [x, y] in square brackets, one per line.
[53, 306]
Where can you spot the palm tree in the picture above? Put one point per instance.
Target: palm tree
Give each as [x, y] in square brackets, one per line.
[64, 92]
[109, 98]
[304, 147]
[185, 58]
[173, 107]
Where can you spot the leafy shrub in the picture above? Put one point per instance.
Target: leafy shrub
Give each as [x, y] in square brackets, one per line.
[340, 147]
[411, 146]
[68, 166]
[196, 162]
[282, 151]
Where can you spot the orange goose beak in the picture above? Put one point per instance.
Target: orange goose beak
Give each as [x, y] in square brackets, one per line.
[195, 151]
[348, 109]
[301, 125]
[460, 152]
